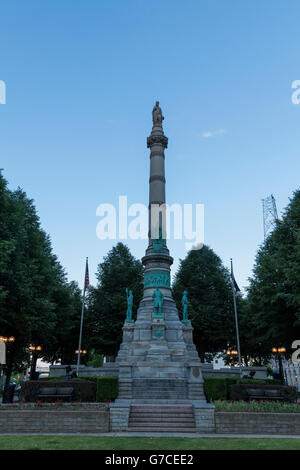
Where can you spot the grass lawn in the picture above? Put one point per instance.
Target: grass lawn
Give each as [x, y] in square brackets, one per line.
[143, 443]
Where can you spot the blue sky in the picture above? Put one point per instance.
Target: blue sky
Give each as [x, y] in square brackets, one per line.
[82, 78]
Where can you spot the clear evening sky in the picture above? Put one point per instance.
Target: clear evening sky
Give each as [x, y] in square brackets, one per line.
[82, 78]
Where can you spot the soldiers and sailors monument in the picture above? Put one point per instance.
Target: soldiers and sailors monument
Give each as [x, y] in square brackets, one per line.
[160, 378]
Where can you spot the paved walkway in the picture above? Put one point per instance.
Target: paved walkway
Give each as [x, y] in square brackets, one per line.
[157, 434]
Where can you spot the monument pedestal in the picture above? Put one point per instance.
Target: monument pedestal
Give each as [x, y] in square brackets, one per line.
[158, 350]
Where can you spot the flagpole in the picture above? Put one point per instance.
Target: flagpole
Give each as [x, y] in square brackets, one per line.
[236, 319]
[81, 320]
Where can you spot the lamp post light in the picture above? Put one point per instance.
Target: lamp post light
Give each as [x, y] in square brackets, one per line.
[4, 339]
[232, 352]
[81, 351]
[7, 397]
[35, 353]
[279, 352]
[35, 348]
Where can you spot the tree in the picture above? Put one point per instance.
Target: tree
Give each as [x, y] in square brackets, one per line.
[63, 342]
[107, 302]
[207, 282]
[253, 351]
[29, 277]
[274, 291]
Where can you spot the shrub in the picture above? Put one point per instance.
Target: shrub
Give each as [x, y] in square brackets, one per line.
[83, 390]
[259, 381]
[102, 389]
[237, 392]
[51, 378]
[92, 378]
[217, 388]
[107, 388]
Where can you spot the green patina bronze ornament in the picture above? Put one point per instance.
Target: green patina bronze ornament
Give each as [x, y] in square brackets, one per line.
[129, 297]
[158, 333]
[158, 243]
[157, 278]
[184, 303]
[157, 303]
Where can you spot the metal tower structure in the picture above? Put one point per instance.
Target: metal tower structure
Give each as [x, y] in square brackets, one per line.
[270, 214]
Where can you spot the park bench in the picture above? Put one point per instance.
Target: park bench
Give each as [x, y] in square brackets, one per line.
[264, 394]
[55, 392]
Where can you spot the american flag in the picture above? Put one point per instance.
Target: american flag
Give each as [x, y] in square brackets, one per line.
[233, 281]
[86, 277]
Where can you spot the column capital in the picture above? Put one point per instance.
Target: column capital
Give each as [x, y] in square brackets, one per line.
[159, 139]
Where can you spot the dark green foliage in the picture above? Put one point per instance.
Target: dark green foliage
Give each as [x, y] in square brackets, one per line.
[238, 391]
[48, 379]
[107, 388]
[94, 359]
[215, 388]
[218, 388]
[29, 276]
[259, 381]
[104, 389]
[92, 378]
[254, 352]
[84, 390]
[64, 340]
[274, 292]
[37, 304]
[207, 281]
[107, 303]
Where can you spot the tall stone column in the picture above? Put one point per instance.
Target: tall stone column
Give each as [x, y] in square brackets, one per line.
[157, 142]
[157, 261]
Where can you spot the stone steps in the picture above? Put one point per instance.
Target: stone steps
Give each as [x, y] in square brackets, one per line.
[165, 408]
[137, 401]
[163, 419]
[159, 389]
[158, 429]
[159, 418]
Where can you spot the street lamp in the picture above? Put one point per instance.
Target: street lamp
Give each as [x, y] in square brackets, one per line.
[4, 339]
[279, 352]
[232, 352]
[35, 352]
[81, 351]
[35, 348]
